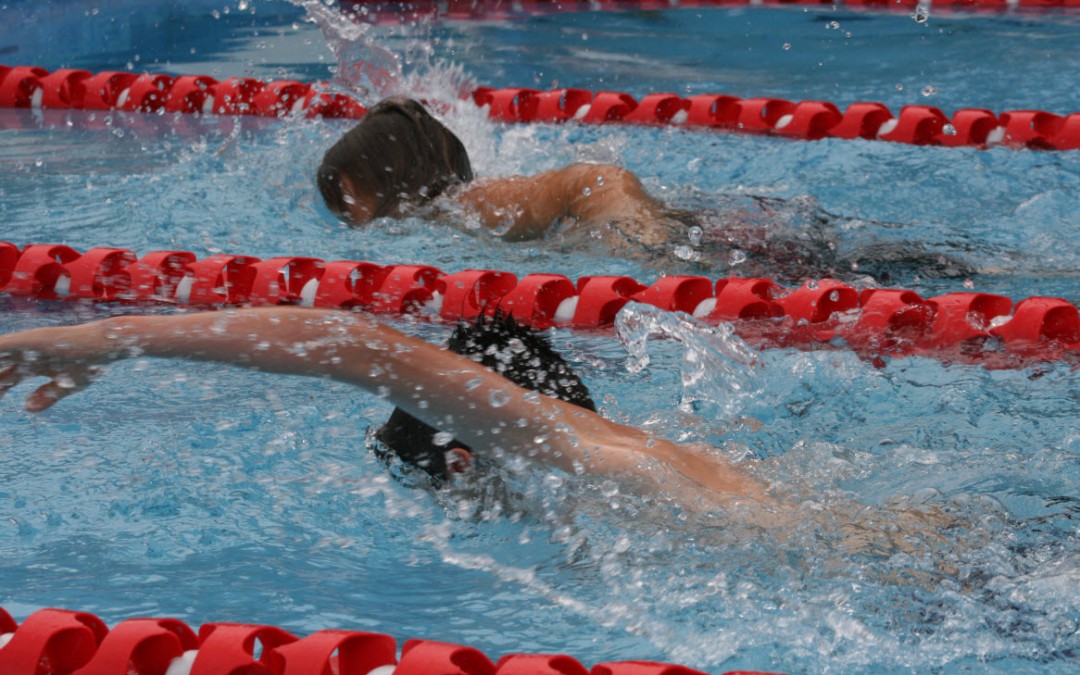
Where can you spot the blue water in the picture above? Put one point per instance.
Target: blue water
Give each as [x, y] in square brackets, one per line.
[213, 494]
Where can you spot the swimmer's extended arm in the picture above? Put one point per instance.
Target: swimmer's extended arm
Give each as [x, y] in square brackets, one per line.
[525, 207]
[446, 390]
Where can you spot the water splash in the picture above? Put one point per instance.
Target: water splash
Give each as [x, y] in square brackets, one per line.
[363, 67]
[718, 368]
[374, 69]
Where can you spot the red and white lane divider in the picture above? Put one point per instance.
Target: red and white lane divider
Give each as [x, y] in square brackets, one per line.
[63, 642]
[37, 88]
[804, 120]
[969, 327]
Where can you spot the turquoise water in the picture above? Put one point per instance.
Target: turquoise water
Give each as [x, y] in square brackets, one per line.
[215, 494]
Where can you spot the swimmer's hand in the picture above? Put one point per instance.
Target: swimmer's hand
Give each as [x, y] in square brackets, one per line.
[61, 354]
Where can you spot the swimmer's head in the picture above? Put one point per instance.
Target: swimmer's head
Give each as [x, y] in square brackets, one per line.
[398, 154]
[506, 347]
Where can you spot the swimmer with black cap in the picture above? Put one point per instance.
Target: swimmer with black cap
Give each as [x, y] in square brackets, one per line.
[448, 391]
[500, 344]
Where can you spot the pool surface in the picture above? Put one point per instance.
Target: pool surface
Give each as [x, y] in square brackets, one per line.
[216, 494]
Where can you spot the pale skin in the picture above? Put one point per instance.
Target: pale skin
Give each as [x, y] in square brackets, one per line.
[444, 389]
[521, 208]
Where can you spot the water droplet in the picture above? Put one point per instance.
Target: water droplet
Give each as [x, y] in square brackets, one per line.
[443, 438]
[736, 257]
[694, 234]
[899, 86]
[683, 252]
[787, 46]
[969, 284]
[833, 25]
[599, 180]
[498, 398]
[922, 14]
[473, 384]
[929, 90]
[587, 191]
[948, 130]
[383, 392]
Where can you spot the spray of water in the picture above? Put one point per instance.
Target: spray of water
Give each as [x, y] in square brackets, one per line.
[718, 368]
[373, 69]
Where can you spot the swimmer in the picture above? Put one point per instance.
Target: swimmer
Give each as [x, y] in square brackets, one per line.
[399, 161]
[444, 416]
[496, 394]
[399, 158]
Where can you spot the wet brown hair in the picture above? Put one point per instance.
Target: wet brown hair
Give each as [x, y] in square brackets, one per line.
[397, 154]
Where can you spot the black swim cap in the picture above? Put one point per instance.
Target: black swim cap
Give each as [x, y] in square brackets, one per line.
[503, 345]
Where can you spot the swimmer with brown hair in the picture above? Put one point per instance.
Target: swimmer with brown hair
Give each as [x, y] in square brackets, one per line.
[400, 161]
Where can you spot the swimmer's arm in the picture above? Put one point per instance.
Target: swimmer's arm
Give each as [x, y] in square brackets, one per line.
[526, 207]
[448, 391]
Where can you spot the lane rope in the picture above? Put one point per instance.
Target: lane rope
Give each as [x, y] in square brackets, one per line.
[35, 88]
[65, 642]
[966, 327]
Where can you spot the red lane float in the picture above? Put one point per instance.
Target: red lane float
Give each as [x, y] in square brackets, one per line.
[970, 327]
[31, 87]
[805, 120]
[63, 642]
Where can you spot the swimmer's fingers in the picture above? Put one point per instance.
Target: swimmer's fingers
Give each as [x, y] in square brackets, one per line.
[62, 385]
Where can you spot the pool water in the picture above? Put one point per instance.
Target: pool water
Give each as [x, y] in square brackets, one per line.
[215, 494]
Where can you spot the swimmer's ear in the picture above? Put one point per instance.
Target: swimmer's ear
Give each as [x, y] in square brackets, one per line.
[458, 460]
